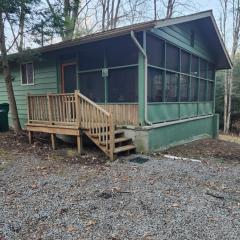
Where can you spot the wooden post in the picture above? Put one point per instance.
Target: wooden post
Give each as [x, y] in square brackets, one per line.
[28, 107]
[77, 105]
[49, 108]
[111, 138]
[30, 137]
[79, 143]
[53, 139]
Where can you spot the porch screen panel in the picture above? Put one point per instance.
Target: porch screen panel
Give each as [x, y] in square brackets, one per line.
[155, 85]
[91, 58]
[184, 88]
[194, 89]
[121, 52]
[195, 66]
[92, 86]
[172, 57]
[202, 90]
[210, 91]
[122, 85]
[155, 51]
[203, 68]
[185, 62]
[211, 71]
[172, 87]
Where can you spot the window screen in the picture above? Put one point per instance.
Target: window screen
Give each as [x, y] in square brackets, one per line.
[185, 62]
[92, 86]
[121, 51]
[211, 71]
[172, 57]
[210, 91]
[91, 58]
[171, 87]
[27, 73]
[122, 85]
[203, 68]
[155, 51]
[202, 90]
[184, 88]
[155, 85]
[195, 66]
[194, 89]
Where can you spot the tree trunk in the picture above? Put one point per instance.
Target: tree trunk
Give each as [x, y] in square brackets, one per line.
[226, 102]
[8, 78]
[155, 9]
[170, 6]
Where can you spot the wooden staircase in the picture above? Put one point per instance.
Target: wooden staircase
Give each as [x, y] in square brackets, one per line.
[121, 144]
[73, 114]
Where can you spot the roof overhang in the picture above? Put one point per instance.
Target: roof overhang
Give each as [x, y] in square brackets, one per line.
[222, 56]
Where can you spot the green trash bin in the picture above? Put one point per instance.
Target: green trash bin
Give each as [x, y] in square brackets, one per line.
[4, 109]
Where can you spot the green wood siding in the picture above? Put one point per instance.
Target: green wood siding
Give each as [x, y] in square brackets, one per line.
[45, 80]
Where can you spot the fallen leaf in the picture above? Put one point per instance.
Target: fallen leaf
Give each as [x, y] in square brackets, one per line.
[71, 229]
[91, 223]
[175, 205]
[34, 186]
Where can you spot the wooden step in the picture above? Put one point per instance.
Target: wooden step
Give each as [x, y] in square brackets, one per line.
[118, 140]
[124, 148]
[122, 139]
[117, 132]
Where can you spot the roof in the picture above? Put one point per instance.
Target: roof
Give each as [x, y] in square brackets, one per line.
[216, 41]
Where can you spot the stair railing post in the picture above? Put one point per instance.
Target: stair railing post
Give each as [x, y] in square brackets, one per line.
[111, 138]
[49, 108]
[77, 105]
[28, 107]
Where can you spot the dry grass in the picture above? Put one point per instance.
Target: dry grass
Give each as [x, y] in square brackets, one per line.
[230, 138]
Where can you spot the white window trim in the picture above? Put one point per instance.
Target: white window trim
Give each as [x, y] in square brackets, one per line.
[27, 84]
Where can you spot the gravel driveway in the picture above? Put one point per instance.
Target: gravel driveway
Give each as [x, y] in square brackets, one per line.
[159, 199]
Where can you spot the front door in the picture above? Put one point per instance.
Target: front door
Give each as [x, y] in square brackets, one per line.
[69, 77]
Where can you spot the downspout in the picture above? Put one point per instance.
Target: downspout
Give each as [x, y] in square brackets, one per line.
[145, 77]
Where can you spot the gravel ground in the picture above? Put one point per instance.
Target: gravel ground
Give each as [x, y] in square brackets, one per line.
[44, 198]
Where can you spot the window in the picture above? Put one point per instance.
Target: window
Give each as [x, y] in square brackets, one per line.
[195, 66]
[172, 57]
[27, 74]
[122, 85]
[172, 87]
[155, 51]
[184, 88]
[203, 68]
[92, 86]
[155, 85]
[185, 62]
[202, 90]
[194, 89]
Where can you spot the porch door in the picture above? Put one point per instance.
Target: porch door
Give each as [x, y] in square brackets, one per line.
[69, 77]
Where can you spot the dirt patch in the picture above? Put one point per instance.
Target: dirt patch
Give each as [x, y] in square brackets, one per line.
[13, 145]
[227, 150]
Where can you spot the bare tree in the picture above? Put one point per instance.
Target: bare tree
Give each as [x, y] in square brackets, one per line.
[227, 7]
[223, 25]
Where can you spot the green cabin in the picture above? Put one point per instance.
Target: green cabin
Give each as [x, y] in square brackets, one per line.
[156, 79]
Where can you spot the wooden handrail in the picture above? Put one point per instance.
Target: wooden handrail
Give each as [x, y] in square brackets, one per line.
[93, 103]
